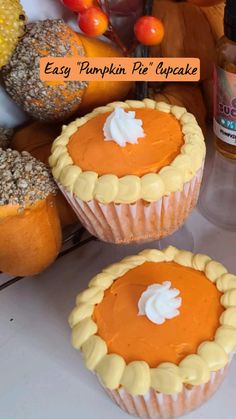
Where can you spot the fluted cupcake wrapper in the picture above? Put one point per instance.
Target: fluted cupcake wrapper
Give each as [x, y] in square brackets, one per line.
[138, 222]
[161, 406]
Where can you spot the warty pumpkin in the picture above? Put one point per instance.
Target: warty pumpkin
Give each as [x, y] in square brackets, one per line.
[187, 34]
[54, 101]
[37, 138]
[30, 231]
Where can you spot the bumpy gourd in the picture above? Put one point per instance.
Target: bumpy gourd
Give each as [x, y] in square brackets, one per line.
[37, 138]
[51, 101]
[30, 231]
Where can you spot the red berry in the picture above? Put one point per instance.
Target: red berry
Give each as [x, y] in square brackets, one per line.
[149, 30]
[93, 21]
[78, 5]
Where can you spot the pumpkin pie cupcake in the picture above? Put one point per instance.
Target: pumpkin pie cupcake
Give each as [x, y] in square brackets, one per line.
[131, 170]
[159, 330]
[30, 231]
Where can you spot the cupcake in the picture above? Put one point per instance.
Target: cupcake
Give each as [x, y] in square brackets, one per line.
[30, 231]
[159, 330]
[131, 170]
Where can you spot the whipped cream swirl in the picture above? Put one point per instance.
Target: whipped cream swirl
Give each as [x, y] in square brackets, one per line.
[122, 127]
[160, 302]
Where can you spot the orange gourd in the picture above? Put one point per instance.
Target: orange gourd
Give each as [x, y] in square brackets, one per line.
[54, 101]
[100, 93]
[187, 34]
[187, 95]
[30, 240]
[190, 28]
[30, 230]
[215, 17]
[37, 138]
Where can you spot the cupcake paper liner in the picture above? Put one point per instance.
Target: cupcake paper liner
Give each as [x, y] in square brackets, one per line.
[161, 406]
[138, 222]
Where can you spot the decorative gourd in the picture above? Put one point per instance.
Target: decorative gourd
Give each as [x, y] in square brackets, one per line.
[37, 138]
[31, 240]
[30, 231]
[187, 34]
[100, 93]
[215, 17]
[12, 18]
[187, 95]
[51, 101]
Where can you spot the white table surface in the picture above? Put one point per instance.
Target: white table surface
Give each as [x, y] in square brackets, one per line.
[41, 375]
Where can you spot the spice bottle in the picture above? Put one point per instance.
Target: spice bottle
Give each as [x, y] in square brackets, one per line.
[225, 86]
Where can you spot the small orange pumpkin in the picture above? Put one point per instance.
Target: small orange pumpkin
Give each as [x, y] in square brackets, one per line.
[29, 240]
[37, 138]
[215, 17]
[187, 34]
[30, 231]
[51, 101]
[187, 95]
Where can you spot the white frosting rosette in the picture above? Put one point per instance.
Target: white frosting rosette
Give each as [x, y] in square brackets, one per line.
[122, 127]
[160, 302]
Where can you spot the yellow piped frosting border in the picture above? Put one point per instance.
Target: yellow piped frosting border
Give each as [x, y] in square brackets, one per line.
[137, 377]
[87, 185]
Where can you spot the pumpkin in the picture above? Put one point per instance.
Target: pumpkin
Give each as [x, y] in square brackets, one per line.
[37, 138]
[51, 101]
[187, 95]
[215, 17]
[205, 3]
[30, 231]
[187, 34]
[100, 93]
[31, 240]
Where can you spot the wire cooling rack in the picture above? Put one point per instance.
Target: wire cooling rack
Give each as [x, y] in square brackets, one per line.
[73, 239]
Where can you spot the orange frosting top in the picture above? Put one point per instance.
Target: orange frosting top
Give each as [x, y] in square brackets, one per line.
[135, 337]
[159, 147]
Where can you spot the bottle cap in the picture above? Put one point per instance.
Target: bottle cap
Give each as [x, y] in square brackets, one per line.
[230, 19]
